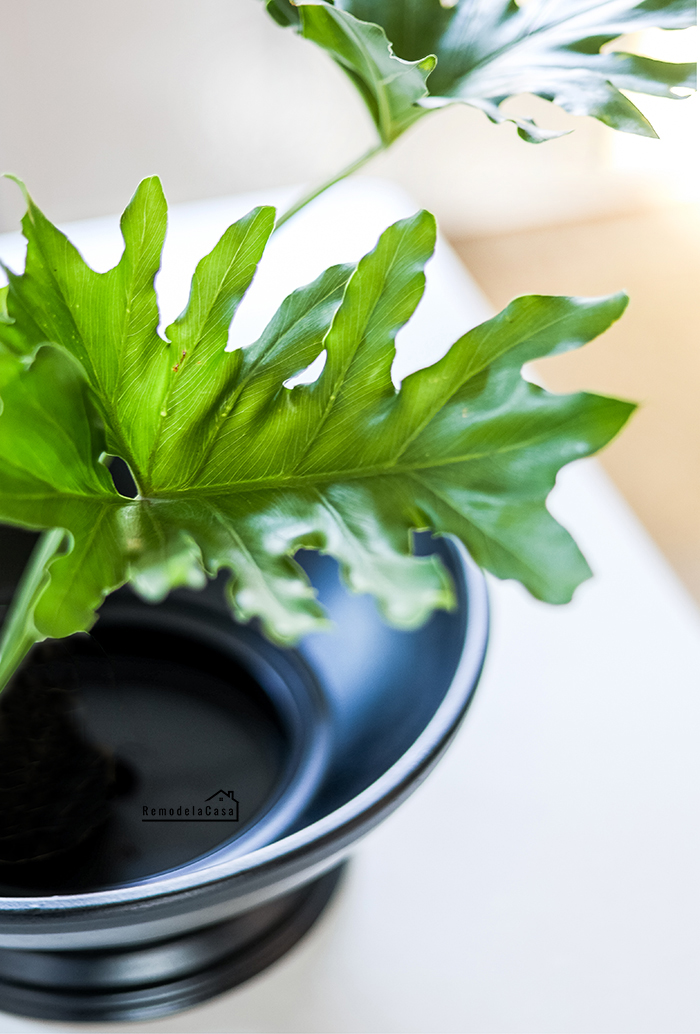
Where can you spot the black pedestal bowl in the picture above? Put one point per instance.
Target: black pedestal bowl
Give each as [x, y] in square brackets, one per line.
[245, 774]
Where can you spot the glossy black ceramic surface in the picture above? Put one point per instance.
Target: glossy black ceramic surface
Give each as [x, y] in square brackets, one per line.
[155, 979]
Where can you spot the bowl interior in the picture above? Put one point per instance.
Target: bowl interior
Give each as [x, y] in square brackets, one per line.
[226, 742]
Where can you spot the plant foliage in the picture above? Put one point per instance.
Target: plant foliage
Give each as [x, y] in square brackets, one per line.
[234, 470]
[489, 50]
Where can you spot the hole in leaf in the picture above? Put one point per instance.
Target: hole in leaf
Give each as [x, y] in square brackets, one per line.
[310, 374]
[122, 477]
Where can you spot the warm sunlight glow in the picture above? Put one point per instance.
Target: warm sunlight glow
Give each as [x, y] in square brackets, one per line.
[672, 160]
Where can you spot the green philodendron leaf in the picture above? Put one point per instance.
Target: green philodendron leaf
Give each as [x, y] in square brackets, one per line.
[390, 86]
[234, 470]
[489, 51]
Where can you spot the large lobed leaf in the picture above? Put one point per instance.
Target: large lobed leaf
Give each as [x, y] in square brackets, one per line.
[234, 470]
[489, 50]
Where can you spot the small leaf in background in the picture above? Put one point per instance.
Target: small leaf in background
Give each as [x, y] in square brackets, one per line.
[236, 471]
[487, 52]
[390, 86]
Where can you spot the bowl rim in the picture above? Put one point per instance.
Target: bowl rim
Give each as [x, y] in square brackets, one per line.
[391, 786]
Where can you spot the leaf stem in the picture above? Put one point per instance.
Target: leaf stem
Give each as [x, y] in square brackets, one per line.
[18, 632]
[313, 194]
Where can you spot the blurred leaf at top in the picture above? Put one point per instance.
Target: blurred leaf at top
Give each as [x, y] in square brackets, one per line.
[489, 50]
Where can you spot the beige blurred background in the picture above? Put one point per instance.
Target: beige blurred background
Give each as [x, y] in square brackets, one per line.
[217, 99]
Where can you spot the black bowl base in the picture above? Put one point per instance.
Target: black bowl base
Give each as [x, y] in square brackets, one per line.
[162, 978]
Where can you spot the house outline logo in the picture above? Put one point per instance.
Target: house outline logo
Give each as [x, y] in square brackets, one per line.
[221, 794]
[220, 806]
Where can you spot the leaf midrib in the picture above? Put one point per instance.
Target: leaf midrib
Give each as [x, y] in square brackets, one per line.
[471, 373]
[390, 469]
[339, 383]
[106, 500]
[383, 108]
[201, 333]
[386, 118]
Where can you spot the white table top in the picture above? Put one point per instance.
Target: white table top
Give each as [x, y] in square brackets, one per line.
[545, 877]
